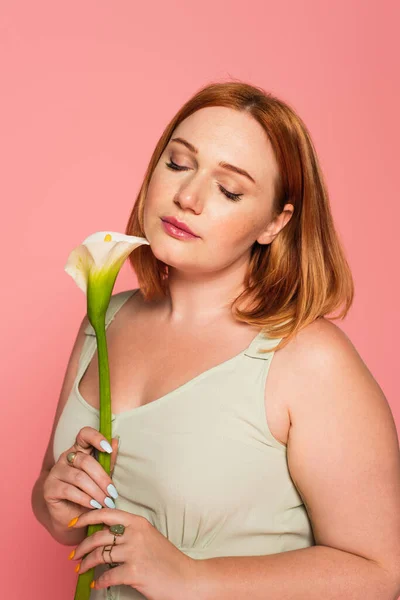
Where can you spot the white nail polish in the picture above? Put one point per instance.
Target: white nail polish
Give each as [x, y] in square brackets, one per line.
[108, 502]
[106, 446]
[112, 491]
[95, 504]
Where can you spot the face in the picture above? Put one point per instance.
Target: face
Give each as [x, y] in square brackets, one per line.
[227, 210]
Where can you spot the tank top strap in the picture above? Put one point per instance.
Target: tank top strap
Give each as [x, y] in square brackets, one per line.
[116, 302]
[262, 342]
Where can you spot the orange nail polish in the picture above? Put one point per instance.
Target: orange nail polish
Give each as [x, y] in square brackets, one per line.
[78, 566]
[73, 521]
[71, 556]
[92, 584]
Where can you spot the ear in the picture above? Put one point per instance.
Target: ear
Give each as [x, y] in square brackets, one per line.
[274, 227]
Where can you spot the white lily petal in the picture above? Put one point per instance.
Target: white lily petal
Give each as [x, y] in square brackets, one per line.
[79, 264]
[100, 248]
[116, 256]
[99, 253]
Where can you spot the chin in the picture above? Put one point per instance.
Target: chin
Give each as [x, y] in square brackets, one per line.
[173, 260]
[160, 250]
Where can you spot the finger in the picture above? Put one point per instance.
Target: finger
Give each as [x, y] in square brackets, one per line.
[97, 557]
[121, 575]
[107, 516]
[88, 438]
[88, 475]
[76, 486]
[98, 539]
[114, 445]
[67, 491]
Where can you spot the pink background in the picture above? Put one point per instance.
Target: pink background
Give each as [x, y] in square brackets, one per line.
[87, 88]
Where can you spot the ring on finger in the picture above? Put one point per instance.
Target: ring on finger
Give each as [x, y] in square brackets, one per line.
[117, 531]
[71, 456]
[110, 564]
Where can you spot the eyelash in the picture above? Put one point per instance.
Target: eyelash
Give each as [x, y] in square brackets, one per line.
[230, 195]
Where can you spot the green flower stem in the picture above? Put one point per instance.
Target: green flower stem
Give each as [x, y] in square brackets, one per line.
[83, 588]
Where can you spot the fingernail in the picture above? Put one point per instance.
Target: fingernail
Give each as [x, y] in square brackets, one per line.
[71, 556]
[92, 584]
[95, 504]
[73, 521]
[78, 566]
[119, 440]
[106, 446]
[108, 502]
[112, 491]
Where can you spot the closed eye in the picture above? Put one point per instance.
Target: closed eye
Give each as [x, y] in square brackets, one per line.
[230, 195]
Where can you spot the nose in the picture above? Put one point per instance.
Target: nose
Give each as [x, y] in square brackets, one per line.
[188, 196]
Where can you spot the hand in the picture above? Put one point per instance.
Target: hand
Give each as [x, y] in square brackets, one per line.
[69, 487]
[146, 560]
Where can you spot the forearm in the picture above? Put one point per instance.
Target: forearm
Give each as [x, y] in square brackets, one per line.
[68, 537]
[308, 574]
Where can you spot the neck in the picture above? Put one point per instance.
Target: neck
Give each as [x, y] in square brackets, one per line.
[202, 299]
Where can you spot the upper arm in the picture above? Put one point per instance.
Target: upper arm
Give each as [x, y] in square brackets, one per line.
[69, 378]
[343, 449]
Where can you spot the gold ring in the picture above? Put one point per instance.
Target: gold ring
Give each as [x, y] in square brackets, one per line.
[106, 549]
[71, 458]
[110, 564]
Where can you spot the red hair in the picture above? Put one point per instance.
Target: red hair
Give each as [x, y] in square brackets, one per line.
[303, 273]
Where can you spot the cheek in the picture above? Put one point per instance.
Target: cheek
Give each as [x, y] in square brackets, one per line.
[231, 236]
[153, 192]
[153, 203]
[162, 182]
[159, 192]
[239, 228]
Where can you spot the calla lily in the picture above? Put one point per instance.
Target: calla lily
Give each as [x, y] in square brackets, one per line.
[94, 266]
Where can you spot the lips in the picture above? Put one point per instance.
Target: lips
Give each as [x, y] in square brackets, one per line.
[179, 224]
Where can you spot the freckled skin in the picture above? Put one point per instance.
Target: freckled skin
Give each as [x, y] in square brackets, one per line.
[227, 228]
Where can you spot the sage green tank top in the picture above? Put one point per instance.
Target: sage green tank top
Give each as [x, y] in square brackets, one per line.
[200, 463]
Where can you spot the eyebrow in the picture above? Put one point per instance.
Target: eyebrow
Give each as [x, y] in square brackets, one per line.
[222, 164]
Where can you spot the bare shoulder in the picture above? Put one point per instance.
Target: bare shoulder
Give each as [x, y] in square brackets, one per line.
[343, 451]
[307, 354]
[322, 354]
[320, 336]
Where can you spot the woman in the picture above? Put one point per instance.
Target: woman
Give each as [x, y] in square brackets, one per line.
[235, 474]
